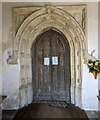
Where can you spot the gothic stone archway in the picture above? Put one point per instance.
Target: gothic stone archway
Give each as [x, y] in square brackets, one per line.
[60, 19]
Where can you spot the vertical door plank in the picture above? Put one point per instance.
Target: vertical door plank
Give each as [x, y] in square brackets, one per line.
[46, 74]
[54, 68]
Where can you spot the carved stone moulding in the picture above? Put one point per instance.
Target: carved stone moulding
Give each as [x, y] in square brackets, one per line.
[35, 12]
[35, 21]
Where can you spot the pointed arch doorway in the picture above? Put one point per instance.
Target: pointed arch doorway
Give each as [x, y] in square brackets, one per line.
[51, 67]
[28, 31]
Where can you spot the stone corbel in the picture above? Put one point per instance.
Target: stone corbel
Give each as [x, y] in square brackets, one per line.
[13, 59]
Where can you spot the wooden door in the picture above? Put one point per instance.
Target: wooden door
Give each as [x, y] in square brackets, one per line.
[51, 67]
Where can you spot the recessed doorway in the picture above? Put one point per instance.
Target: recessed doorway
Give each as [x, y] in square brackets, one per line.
[51, 67]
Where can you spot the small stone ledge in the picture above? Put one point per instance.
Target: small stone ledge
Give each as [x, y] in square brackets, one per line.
[13, 59]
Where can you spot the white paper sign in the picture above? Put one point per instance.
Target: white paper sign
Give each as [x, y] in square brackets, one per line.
[55, 60]
[46, 61]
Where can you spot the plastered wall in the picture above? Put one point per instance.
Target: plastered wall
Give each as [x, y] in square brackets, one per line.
[10, 72]
[90, 85]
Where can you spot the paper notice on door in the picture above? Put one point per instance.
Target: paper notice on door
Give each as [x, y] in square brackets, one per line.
[55, 60]
[46, 61]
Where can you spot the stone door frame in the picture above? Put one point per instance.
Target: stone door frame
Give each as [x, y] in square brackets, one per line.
[41, 20]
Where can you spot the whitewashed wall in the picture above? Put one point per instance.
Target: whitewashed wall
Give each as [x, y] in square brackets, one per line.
[11, 72]
[10, 78]
[90, 85]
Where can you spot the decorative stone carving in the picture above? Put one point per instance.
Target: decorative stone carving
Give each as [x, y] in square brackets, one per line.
[77, 12]
[49, 9]
[61, 19]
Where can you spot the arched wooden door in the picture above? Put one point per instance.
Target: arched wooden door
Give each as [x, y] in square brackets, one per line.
[51, 67]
